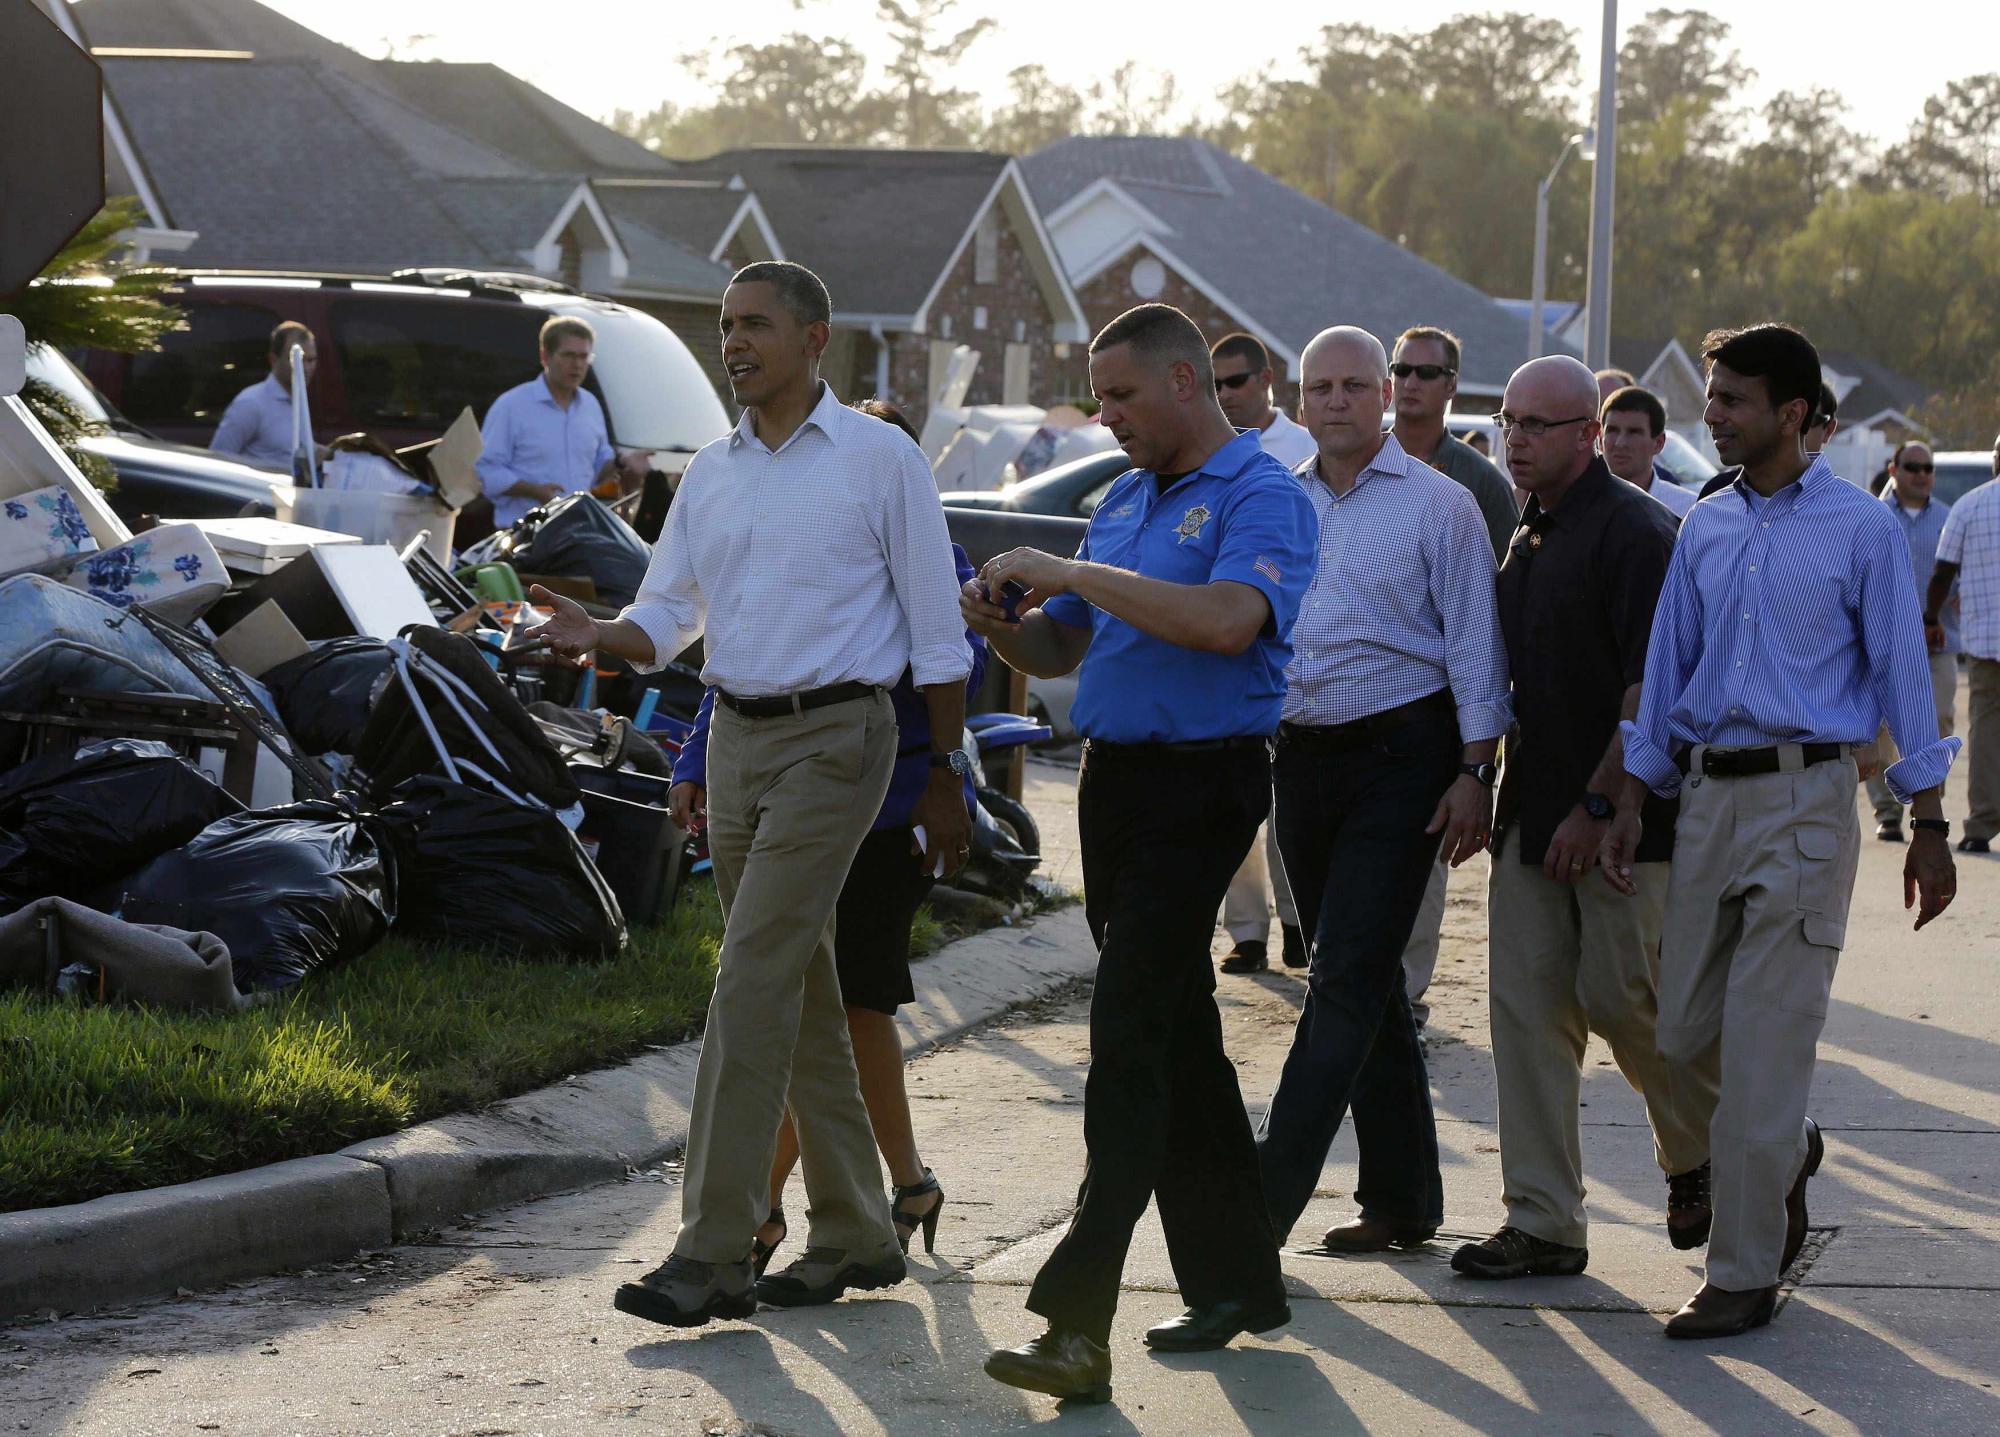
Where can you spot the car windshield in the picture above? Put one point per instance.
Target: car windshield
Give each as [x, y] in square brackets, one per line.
[50, 367]
[1958, 477]
[655, 393]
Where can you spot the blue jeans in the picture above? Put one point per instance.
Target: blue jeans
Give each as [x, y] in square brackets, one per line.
[1351, 829]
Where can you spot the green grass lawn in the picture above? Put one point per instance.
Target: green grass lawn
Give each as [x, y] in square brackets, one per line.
[97, 1100]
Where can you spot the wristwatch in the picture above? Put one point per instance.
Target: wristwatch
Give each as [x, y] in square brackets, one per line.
[1931, 825]
[1484, 772]
[957, 760]
[1598, 806]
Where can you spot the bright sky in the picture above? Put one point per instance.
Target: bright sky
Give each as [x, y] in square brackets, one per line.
[601, 55]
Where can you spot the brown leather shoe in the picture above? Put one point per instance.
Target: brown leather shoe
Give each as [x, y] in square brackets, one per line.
[1364, 1233]
[1718, 1312]
[1795, 1200]
[1062, 1363]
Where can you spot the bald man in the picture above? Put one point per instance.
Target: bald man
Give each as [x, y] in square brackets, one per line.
[1396, 697]
[1569, 957]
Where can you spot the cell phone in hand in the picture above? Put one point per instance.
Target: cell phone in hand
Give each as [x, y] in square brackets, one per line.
[1011, 594]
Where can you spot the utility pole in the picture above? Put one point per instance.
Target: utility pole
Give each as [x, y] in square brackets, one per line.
[1597, 343]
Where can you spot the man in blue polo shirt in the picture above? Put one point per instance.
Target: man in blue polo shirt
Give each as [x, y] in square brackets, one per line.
[1178, 607]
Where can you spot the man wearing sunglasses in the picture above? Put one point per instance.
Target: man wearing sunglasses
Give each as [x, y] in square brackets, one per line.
[1243, 375]
[1423, 382]
[1913, 475]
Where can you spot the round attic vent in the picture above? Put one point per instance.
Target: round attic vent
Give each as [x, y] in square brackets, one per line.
[1149, 277]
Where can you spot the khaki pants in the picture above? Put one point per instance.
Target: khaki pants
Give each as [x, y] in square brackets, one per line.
[789, 801]
[1944, 688]
[1569, 960]
[1756, 915]
[1420, 954]
[1983, 821]
[1260, 882]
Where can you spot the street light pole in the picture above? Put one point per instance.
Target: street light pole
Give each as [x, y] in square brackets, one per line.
[1541, 279]
[1597, 342]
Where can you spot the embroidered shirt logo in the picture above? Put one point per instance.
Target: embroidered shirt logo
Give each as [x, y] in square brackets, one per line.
[1191, 522]
[1268, 569]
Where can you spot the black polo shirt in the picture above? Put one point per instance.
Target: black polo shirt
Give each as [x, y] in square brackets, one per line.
[1576, 606]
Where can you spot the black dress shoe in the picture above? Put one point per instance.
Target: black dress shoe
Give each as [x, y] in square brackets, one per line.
[1889, 832]
[1375, 1234]
[1795, 1200]
[1246, 957]
[1203, 1329]
[1513, 1253]
[822, 1274]
[1718, 1312]
[1064, 1364]
[1974, 845]
[1690, 1213]
[1295, 946]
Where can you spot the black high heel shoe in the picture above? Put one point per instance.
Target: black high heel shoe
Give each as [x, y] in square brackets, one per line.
[760, 1250]
[907, 1223]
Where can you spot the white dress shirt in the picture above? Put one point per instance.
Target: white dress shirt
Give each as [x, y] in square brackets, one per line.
[257, 426]
[1676, 496]
[1286, 441]
[1971, 540]
[825, 561]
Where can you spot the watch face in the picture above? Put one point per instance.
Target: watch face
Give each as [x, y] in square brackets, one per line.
[1597, 805]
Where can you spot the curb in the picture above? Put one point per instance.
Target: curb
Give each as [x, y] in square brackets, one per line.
[585, 1130]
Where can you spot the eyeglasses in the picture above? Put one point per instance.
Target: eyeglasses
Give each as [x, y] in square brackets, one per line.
[1535, 428]
[1234, 381]
[1916, 468]
[1425, 372]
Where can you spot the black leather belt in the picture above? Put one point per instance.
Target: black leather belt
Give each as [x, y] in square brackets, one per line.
[1748, 762]
[781, 704]
[1361, 732]
[1098, 748]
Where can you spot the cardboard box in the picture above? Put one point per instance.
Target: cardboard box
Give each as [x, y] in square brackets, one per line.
[262, 641]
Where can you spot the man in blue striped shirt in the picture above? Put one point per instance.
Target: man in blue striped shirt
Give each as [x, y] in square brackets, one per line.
[1787, 630]
[1395, 701]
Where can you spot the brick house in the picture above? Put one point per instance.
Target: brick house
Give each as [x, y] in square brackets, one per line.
[922, 251]
[1178, 220]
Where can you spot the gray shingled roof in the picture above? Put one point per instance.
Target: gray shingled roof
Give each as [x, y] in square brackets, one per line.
[1288, 261]
[534, 129]
[691, 212]
[876, 225]
[1880, 388]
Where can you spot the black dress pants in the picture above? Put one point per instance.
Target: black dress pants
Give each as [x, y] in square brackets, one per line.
[1163, 1118]
[1351, 833]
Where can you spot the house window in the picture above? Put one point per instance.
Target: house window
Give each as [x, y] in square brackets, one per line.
[1149, 277]
[979, 316]
[986, 249]
[1015, 376]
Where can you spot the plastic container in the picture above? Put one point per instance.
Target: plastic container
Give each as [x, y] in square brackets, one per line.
[632, 838]
[393, 519]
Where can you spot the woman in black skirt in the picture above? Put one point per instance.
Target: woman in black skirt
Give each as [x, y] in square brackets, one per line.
[887, 883]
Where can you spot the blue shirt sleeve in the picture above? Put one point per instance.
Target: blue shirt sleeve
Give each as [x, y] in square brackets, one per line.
[976, 642]
[1068, 608]
[1671, 654]
[1270, 541]
[238, 426]
[691, 763]
[1462, 591]
[496, 456]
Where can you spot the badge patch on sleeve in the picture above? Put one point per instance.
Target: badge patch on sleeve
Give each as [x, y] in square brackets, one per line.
[1268, 569]
[1191, 522]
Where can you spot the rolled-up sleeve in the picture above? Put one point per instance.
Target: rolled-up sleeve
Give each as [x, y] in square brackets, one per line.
[1271, 542]
[1671, 652]
[1461, 583]
[1892, 635]
[917, 544]
[496, 455]
[670, 608]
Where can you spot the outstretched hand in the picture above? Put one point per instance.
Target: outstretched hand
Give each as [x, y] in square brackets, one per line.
[570, 633]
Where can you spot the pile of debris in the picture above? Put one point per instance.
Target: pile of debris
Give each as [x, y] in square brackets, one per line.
[235, 752]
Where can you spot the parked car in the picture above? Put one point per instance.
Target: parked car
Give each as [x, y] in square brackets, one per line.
[155, 476]
[400, 356]
[1959, 472]
[1069, 490]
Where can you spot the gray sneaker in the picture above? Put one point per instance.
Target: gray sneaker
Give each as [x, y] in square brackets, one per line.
[822, 1274]
[681, 1292]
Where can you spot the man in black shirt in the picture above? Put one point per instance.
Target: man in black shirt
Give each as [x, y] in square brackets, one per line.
[1570, 957]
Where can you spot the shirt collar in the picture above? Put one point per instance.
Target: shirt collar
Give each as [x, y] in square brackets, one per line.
[1818, 474]
[1590, 487]
[825, 416]
[1228, 461]
[1391, 458]
[271, 387]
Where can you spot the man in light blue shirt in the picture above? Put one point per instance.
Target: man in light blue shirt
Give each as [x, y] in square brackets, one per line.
[257, 425]
[1787, 629]
[547, 438]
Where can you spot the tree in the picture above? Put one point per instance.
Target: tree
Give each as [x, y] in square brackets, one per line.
[928, 112]
[1133, 101]
[1955, 147]
[1682, 60]
[1038, 111]
[798, 89]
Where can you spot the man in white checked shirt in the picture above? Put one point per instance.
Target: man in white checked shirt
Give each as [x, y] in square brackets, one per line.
[809, 545]
[1969, 551]
[1395, 701]
[1787, 629]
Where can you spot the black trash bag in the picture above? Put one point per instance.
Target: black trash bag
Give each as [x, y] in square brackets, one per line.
[477, 870]
[288, 890]
[580, 537]
[324, 696]
[71, 822]
[469, 714]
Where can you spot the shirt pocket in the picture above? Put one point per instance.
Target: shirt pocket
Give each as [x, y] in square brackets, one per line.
[1822, 895]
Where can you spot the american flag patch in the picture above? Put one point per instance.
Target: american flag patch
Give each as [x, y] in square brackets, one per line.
[1268, 569]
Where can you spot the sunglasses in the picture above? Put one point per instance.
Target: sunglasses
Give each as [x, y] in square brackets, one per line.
[1425, 372]
[1234, 381]
[1534, 428]
[1916, 468]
